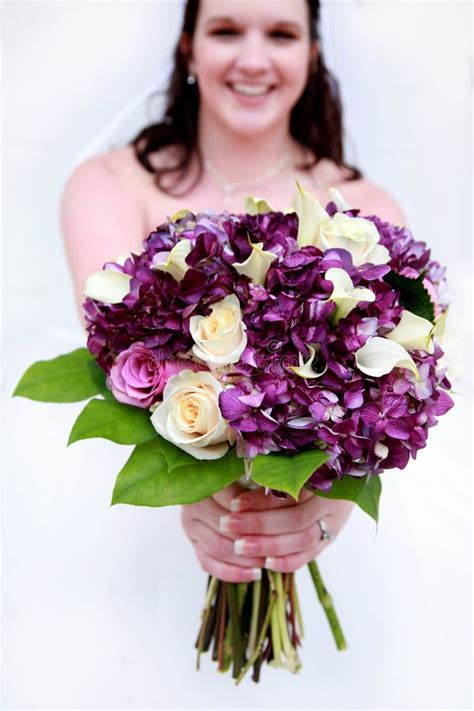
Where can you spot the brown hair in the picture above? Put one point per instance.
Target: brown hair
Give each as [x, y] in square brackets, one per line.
[315, 121]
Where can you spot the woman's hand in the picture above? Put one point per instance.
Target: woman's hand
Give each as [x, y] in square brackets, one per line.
[237, 532]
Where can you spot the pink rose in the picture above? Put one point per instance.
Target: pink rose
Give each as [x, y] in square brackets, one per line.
[138, 377]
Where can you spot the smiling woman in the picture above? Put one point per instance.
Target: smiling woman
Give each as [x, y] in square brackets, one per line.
[251, 106]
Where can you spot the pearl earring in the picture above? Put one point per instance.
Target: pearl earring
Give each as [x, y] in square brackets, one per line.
[191, 79]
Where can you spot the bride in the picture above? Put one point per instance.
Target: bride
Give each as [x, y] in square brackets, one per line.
[251, 107]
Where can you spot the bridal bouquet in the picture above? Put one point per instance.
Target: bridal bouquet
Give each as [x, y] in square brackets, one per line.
[282, 350]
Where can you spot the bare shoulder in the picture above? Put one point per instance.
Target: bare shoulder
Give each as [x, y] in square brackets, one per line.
[96, 176]
[122, 162]
[371, 199]
[99, 217]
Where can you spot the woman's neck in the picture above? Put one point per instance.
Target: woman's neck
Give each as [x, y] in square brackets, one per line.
[240, 158]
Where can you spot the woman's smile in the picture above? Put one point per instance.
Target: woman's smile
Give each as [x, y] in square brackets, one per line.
[250, 94]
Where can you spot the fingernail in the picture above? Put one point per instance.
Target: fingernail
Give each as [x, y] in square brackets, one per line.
[256, 573]
[229, 523]
[244, 547]
[235, 504]
[270, 563]
[224, 523]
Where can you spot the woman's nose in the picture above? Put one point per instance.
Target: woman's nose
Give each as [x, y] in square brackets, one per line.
[253, 53]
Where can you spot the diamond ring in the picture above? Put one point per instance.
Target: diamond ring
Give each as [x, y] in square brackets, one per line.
[325, 532]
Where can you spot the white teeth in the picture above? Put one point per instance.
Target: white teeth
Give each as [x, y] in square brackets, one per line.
[250, 90]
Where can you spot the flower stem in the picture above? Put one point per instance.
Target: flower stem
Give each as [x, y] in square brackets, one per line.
[291, 657]
[326, 601]
[211, 592]
[261, 637]
[291, 598]
[299, 616]
[257, 589]
[237, 646]
[222, 621]
[276, 640]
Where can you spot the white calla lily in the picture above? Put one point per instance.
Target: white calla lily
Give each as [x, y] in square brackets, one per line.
[381, 450]
[257, 264]
[256, 206]
[304, 370]
[311, 215]
[175, 262]
[180, 214]
[380, 356]
[339, 201]
[440, 325]
[122, 257]
[345, 294]
[108, 286]
[413, 332]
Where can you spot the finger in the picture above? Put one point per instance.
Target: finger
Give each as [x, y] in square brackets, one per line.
[290, 563]
[261, 499]
[285, 544]
[222, 548]
[224, 571]
[274, 521]
[206, 510]
[224, 497]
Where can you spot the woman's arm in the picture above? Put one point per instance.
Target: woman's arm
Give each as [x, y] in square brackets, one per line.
[100, 218]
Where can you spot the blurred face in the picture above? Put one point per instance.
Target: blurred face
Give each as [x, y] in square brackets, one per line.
[251, 60]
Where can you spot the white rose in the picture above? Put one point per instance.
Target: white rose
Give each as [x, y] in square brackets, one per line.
[221, 337]
[189, 415]
[357, 235]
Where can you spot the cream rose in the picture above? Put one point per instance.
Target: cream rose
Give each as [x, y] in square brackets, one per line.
[221, 337]
[189, 415]
[357, 235]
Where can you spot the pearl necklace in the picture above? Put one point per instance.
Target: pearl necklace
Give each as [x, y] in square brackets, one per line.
[229, 188]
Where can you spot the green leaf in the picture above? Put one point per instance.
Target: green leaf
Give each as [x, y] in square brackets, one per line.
[413, 295]
[67, 378]
[287, 472]
[113, 420]
[175, 456]
[146, 481]
[364, 491]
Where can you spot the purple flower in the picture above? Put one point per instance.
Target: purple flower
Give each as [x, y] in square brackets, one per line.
[244, 413]
[387, 416]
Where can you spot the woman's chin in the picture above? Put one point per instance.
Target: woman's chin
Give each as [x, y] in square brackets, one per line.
[252, 126]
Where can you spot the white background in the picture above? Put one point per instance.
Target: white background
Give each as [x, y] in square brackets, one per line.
[100, 603]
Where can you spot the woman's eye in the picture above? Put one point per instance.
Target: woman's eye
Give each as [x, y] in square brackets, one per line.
[226, 31]
[279, 34]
